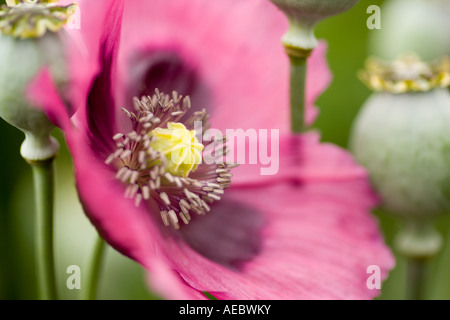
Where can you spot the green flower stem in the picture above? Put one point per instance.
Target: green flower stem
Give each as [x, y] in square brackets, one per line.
[89, 289]
[43, 175]
[416, 277]
[418, 242]
[297, 92]
[298, 41]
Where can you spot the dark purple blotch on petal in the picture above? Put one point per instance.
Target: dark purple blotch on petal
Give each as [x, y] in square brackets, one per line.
[230, 234]
[167, 70]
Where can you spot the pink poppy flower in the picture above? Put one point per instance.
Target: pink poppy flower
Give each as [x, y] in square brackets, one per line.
[304, 233]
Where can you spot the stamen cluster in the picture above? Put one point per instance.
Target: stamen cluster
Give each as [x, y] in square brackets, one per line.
[144, 170]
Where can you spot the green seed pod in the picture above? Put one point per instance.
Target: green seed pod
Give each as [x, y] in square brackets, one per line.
[303, 15]
[21, 61]
[419, 26]
[25, 48]
[315, 10]
[402, 136]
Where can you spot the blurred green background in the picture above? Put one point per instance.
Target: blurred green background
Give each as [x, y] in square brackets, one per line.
[347, 37]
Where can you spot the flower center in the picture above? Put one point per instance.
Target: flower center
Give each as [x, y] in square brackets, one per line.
[180, 147]
[32, 18]
[160, 160]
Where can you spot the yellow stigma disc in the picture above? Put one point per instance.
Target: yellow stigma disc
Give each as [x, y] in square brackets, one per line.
[180, 146]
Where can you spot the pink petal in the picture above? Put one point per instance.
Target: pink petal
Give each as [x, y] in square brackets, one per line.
[42, 92]
[316, 241]
[316, 234]
[99, 115]
[169, 284]
[124, 226]
[96, 19]
[119, 222]
[235, 49]
[300, 159]
[316, 244]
